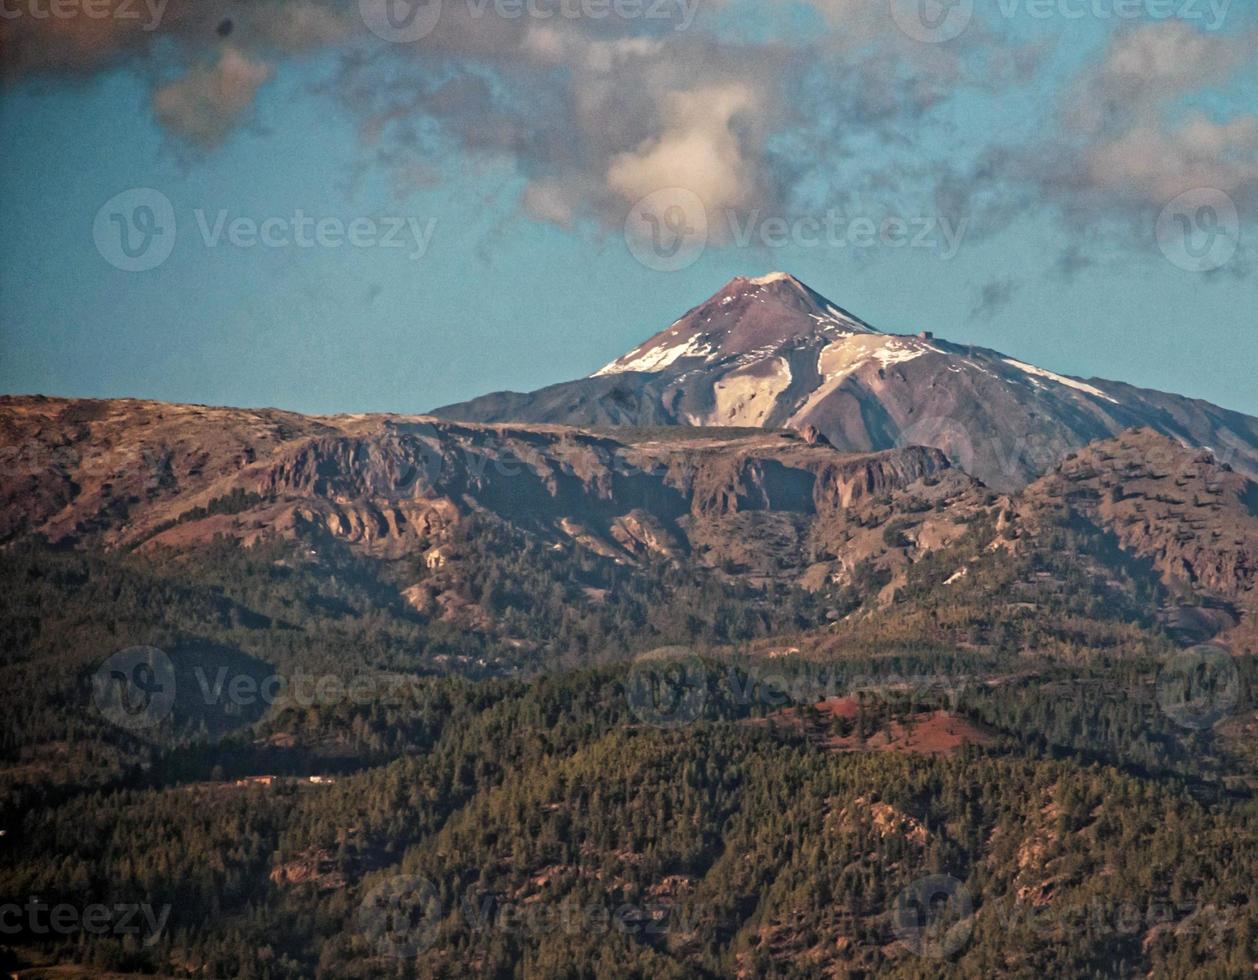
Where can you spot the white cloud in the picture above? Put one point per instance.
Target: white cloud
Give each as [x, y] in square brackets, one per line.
[206, 103]
[708, 145]
[1123, 114]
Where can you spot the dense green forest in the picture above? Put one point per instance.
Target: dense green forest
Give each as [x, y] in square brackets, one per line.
[341, 785]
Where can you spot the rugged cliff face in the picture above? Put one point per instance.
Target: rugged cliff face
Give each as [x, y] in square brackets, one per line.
[759, 506]
[783, 474]
[135, 474]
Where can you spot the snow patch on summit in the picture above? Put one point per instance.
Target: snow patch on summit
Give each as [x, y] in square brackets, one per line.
[772, 277]
[894, 353]
[748, 395]
[1060, 379]
[658, 358]
[838, 361]
[835, 318]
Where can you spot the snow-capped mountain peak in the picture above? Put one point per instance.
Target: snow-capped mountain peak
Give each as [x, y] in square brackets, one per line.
[771, 352]
[746, 317]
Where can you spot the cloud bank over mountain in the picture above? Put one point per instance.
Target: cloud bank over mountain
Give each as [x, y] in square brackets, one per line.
[593, 108]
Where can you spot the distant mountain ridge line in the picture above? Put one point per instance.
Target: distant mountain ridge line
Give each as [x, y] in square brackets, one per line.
[771, 352]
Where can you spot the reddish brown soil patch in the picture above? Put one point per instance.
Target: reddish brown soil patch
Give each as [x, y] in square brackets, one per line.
[832, 725]
[839, 708]
[316, 867]
[940, 733]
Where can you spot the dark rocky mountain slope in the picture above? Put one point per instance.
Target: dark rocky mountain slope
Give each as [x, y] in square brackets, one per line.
[763, 508]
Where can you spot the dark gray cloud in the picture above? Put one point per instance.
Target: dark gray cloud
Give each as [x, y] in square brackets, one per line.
[1071, 262]
[993, 297]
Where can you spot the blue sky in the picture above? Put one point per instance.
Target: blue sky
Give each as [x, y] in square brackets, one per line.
[489, 169]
